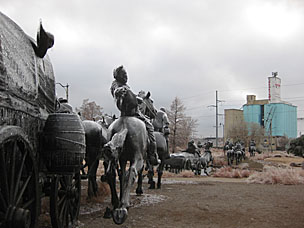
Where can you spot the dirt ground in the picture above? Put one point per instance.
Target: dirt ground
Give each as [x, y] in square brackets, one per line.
[210, 202]
[203, 201]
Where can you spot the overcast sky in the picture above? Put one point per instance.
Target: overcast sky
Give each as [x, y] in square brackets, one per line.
[172, 48]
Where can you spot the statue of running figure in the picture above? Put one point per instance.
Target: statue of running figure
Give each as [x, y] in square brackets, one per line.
[118, 89]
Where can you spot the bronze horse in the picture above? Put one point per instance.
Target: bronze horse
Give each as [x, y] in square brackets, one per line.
[96, 135]
[149, 110]
[128, 143]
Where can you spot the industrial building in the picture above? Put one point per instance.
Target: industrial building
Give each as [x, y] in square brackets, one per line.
[277, 117]
[233, 118]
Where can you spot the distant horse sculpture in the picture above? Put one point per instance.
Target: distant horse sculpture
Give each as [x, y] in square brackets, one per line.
[129, 141]
[206, 158]
[226, 147]
[236, 154]
[252, 150]
[230, 156]
[148, 109]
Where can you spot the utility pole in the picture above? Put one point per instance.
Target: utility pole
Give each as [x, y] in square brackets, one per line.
[216, 116]
[216, 119]
[269, 121]
[66, 88]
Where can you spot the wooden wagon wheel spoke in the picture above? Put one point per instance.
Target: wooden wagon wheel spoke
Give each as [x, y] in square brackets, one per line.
[73, 204]
[2, 216]
[62, 210]
[62, 183]
[19, 199]
[28, 203]
[3, 203]
[65, 200]
[61, 201]
[19, 174]
[25, 185]
[12, 171]
[3, 174]
[67, 218]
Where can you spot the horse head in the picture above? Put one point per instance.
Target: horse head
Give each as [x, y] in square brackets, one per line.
[107, 120]
[147, 106]
[111, 149]
[126, 101]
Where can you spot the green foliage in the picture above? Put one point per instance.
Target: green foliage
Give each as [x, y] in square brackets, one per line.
[297, 146]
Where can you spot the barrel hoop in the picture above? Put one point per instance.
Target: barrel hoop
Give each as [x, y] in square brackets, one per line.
[71, 141]
[73, 132]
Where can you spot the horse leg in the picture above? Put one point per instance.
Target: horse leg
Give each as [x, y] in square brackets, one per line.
[150, 177]
[110, 177]
[92, 184]
[103, 177]
[139, 190]
[127, 178]
[160, 173]
[120, 213]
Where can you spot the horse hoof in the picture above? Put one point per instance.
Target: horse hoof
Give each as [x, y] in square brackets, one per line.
[120, 215]
[152, 185]
[108, 213]
[158, 186]
[139, 192]
[84, 176]
[103, 178]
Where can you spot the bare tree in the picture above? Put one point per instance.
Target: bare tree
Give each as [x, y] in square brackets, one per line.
[256, 133]
[89, 110]
[239, 132]
[182, 127]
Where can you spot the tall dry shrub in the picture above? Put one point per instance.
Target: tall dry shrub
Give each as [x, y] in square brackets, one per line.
[229, 172]
[273, 175]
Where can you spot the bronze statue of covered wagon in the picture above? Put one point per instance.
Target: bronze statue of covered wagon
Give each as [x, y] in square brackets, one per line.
[41, 151]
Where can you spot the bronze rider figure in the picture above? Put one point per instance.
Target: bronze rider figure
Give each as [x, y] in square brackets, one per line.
[118, 87]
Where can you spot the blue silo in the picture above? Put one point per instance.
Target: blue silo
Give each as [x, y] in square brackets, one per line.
[253, 113]
[283, 119]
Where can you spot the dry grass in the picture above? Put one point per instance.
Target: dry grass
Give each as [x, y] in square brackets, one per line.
[217, 152]
[273, 175]
[229, 172]
[185, 173]
[261, 156]
[103, 192]
[273, 154]
[219, 161]
[285, 160]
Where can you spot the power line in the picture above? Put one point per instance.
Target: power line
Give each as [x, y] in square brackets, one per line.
[233, 90]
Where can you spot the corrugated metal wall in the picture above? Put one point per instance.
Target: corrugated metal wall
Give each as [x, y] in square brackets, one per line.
[282, 118]
[252, 114]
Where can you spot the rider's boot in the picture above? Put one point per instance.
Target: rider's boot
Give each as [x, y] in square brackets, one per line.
[152, 154]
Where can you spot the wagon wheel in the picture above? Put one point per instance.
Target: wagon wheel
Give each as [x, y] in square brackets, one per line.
[65, 200]
[19, 198]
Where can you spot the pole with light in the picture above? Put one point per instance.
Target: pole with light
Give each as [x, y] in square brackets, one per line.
[66, 88]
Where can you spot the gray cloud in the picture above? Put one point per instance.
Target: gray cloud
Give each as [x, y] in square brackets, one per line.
[172, 48]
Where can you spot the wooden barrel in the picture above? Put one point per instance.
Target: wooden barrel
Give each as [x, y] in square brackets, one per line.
[63, 143]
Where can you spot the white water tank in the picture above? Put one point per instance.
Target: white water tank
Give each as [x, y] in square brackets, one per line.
[274, 88]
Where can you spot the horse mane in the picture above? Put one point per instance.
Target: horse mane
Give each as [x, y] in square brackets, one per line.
[150, 110]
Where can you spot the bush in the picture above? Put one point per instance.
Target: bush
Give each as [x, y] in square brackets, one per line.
[228, 172]
[297, 146]
[273, 175]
